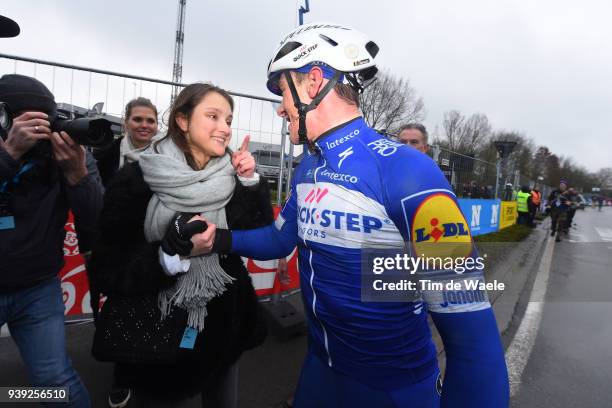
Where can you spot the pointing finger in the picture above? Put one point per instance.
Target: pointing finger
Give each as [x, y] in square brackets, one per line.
[245, 144]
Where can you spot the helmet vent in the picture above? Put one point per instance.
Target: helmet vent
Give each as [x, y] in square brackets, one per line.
[287, 48]
[372, 48]
[329, 40]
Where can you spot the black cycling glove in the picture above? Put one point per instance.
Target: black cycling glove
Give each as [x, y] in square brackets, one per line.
[178, 236]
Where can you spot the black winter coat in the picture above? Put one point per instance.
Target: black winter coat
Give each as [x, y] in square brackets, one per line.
[107, 159]
[124, 264]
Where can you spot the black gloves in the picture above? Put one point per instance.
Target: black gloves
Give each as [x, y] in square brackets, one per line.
[223, 241]
[178, 236]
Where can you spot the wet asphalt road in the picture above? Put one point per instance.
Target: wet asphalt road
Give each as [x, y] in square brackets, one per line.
[571, 362]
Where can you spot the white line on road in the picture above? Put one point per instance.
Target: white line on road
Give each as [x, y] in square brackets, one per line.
[574, 237]
[519, 351]
[604, 233]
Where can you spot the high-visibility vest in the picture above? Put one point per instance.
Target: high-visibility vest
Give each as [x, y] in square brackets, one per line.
[536, 197]
[521, 200]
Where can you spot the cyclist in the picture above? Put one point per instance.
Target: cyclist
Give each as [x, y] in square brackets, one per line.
[354, 190]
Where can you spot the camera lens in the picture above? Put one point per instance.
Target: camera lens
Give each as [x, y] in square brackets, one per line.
[5, 116]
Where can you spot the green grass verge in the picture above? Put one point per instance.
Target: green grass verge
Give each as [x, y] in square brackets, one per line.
[514, 233]
[273, 197]
[496, 245]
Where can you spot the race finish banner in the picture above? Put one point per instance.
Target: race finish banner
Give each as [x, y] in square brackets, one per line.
[482, 215]
[75, 285]
[508, 214]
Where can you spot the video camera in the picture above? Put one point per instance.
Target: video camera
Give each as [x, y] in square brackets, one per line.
[92, 132]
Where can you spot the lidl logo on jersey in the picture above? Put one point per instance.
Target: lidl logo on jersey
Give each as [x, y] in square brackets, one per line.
[335, 215]
[439, 228]
[437, 231]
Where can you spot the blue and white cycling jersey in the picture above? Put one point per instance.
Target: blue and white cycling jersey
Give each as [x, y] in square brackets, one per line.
[361, 190]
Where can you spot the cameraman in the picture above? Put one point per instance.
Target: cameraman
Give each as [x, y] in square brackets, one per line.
[43, 175]
[559, 202]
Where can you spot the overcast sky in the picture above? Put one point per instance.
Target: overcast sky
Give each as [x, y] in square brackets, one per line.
[541, 67]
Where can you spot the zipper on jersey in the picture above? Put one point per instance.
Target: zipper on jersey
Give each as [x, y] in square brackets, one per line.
[314, 294]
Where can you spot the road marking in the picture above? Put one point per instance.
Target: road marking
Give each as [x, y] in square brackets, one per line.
[4, 332]
[604, 233]
[574, 237]
[519, 351]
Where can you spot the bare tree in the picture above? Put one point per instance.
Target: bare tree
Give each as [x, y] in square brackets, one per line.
[465, 135]
[476, 130]
[453, 128]
[391, 101]
[604, 178]
[538, 167]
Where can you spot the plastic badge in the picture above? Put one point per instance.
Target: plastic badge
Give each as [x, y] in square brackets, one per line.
[7, 223]
[189, 338]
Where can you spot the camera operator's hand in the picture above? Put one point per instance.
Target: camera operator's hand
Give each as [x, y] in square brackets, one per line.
[28, 128]
[69, 156]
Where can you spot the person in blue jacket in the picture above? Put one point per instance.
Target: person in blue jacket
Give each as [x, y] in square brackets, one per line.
[356, 191]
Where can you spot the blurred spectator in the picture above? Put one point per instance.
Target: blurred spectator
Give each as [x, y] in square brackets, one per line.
[559, 204]
[523, 204]
[140, 124]
[486, 192]
[508, 194]
[575, 201]
[536, 199]
[474, 191]
[415, 135]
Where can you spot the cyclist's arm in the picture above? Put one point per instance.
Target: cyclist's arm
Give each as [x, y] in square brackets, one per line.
[476, 374]
[274, 241]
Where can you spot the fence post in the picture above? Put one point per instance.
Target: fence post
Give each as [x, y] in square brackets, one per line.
[497, 176]
[435, 152]
[279, 185]
[290, 164]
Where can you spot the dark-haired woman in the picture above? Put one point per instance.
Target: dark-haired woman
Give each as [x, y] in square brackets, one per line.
[178, 318]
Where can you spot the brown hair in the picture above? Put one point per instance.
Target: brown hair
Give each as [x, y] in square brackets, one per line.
[140, 101]
[344, 91]
[184, 104]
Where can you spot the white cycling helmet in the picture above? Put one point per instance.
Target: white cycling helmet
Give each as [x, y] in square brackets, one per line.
[341, 48]
[340, 52]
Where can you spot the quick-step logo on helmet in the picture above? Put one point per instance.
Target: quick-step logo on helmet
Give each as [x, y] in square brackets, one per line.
[304, 51]
[440, 229]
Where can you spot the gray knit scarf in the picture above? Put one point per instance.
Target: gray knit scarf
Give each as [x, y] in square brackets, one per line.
[178, 188]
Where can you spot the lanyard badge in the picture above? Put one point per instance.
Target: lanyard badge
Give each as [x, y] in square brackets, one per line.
[7, 220]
